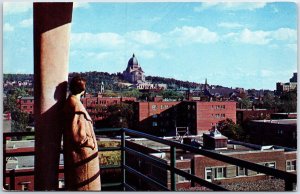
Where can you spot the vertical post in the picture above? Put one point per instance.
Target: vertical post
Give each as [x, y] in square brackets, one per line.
[173, 165]
[4, 160]
[193, 171]
[52, 26]
[123, 159]
[12, 176]
[288, 185]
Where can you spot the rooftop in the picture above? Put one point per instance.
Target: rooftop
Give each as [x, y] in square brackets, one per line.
[278, 121]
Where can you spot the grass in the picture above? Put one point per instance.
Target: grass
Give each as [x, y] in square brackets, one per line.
[109, 157]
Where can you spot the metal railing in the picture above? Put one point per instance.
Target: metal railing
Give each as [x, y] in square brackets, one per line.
[12, 174]
[289, 178]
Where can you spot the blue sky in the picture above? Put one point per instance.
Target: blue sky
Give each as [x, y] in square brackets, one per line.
[250, 45]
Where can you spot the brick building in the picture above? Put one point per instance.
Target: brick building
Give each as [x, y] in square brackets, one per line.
[163, 117]
[218, 172]
[94, 104]
[26, 104]
[281, 132]
[245, 115]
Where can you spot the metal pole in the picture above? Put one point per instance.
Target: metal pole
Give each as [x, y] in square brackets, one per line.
[288, 185]
[123, 158]
[193, 171]
[12, 179]
[173, 165]
[4, 160]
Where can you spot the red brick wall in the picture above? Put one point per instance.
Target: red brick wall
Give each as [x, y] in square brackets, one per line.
[210, 113]
[26, 105]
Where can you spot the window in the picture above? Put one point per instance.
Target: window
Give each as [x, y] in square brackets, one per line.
[25, 101]
[61, 183]
[267, 164]
[208, 174]
[240, 171]
[24, 106]
[220, 172]
[270, 164]
[291, 165]
[154, 116]
[154, 107]
[181, 178]
[154, 124]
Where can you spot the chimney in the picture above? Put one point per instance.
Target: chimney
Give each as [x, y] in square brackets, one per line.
[214, 140]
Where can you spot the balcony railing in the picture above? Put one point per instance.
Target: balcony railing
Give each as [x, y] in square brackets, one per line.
[289, 178]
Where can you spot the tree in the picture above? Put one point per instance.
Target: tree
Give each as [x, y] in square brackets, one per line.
[132, 93]
[231, 130]
[245, 103]
[268, 101]
[171, 94]
[288, 102]
[120, 115]
[19, 119]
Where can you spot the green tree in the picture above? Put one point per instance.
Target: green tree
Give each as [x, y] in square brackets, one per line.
[171, 94]
[231, 130]
[132, 93]
[120, 115]
[19, 119]
[288, 102]
[245, 103]
[268, 101]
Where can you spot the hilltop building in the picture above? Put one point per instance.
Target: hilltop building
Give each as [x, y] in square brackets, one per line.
[135, 75]
[134, 72]
[289, 86]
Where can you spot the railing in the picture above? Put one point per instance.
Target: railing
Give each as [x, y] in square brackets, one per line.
[289, 178]
[12, 174]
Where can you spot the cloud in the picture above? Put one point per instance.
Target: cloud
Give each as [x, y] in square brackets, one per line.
[285, 34]
[198, 34]
[254, 37]
[16, 7]
[80, 5]
[292, 46]
[145, 37]
[26, 23]
[100, 40]
[230, 25]
[147, 54]
[230, 6]
[263, 37]
[8, 27]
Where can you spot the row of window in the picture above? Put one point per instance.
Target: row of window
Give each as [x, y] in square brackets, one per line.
[26, 107]
[218, 115]
[25, 101]
[162, 107]
[232, 171]
[218, 107]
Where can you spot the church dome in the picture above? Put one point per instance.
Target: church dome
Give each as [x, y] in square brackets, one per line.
[133, 61]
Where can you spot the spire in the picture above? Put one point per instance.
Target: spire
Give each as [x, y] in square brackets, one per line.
[205, 81]
[133, 55]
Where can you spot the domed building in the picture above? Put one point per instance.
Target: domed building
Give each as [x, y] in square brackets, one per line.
[134, 73]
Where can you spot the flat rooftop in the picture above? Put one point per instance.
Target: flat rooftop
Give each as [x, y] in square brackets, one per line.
[278, 121]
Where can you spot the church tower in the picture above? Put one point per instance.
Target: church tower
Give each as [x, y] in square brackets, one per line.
[134, 72]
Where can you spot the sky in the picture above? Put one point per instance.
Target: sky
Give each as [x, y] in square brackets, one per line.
[249, 45]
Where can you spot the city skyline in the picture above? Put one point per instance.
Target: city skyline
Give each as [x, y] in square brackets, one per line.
[230, 44]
